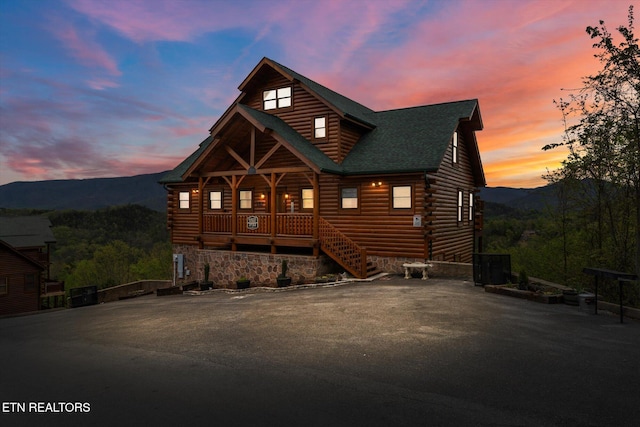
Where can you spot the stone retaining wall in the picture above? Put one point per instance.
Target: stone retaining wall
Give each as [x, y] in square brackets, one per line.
[261, 268]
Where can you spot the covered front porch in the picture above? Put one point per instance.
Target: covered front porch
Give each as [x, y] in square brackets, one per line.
[259, 207]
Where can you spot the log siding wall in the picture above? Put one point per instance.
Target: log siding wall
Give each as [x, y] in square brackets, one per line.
[341, 135]
[379, 228]
[453, 239]
[375, 225]
[14, 270]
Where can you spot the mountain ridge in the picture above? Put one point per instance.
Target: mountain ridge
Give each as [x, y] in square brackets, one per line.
[85, 194]
[97, 193]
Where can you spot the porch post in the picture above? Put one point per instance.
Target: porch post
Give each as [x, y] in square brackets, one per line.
[234, 212]
[316, 215]
[274, 222]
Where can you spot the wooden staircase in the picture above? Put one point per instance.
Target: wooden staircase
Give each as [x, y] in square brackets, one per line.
[345, 251]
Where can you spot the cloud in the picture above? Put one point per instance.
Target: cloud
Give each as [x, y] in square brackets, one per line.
[77, 132]
[169, 20]
[83, 47]
[157, 74]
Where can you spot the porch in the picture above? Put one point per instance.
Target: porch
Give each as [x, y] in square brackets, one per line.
[284, 230]
[281, 229]
[259, 224]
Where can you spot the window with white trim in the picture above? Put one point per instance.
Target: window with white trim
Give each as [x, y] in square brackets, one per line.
[246, 199]
[349, 198]
[184, 199]
[460, 202]
[276, 98]
[470, 206]
[454, 148]
[320, 127]
[215, 199]
[401, 197]
[307, 198]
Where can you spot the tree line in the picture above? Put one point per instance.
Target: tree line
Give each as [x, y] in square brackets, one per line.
[107, 247]
[602, 137]
[596, 220]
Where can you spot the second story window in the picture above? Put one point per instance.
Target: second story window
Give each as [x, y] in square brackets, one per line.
[470, 206]
[276, 98]
[460, 206]
[454, 148]
[320, 127]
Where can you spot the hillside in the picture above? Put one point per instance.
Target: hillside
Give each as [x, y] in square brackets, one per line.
[85, 194]
[144, 190]
[521, 198]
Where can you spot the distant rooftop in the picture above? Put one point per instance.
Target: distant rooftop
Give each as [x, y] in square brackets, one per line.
[26, 231]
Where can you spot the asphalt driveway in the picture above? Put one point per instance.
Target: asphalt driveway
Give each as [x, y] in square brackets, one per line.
[390, 352]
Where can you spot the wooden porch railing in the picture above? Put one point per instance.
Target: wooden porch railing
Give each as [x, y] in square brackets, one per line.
[216, 223]
[286, 224]
[332, 241]
[343, 250]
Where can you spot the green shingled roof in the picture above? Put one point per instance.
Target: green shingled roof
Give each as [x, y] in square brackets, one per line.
[348, 107]
[175, 175]
[408, 140]
[297, 141]
[403, 140]
[26, 231]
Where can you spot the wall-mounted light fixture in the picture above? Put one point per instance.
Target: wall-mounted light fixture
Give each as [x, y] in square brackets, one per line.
[262, 196]
[376, 184]
[286, 195]
[195, 191]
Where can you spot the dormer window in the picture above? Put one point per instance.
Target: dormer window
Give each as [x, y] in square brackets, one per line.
[276, 98]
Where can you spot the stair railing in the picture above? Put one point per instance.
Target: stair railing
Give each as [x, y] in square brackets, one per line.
[342, 249]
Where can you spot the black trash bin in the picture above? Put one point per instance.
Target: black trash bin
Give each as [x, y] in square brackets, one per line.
[86, 295]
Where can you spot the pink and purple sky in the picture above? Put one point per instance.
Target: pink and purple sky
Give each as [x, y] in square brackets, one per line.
[97, 88]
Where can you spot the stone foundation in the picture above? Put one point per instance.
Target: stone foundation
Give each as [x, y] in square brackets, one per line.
[261, 268]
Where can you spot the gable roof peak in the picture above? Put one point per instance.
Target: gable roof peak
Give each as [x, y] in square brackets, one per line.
[344, 106]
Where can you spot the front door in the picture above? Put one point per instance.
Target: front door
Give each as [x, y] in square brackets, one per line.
[282, 202]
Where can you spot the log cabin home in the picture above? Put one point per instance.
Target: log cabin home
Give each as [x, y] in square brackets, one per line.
[292, 167]
[25, 247]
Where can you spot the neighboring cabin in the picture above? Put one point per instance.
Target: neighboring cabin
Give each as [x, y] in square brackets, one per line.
[294, 167]
[25, 245]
